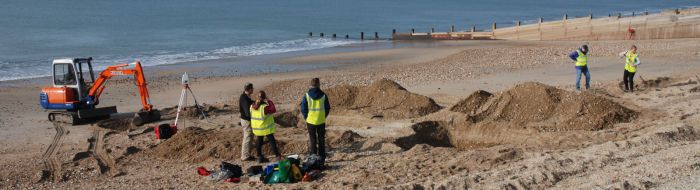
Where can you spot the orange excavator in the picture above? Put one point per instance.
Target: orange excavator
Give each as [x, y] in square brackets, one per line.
[76, 92]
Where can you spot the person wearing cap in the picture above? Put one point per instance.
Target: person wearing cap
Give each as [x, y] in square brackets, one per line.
[315, 108]
[580, 56]
[244, 102]
[263, 124]
[631, 63]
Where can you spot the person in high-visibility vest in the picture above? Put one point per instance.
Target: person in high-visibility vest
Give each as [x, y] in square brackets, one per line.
[315, 108]
[631, 64]
[263, 124]
[580, 57]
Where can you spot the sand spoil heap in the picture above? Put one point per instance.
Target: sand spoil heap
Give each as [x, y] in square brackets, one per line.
[383, 98]
[537, 105]
[194, 144]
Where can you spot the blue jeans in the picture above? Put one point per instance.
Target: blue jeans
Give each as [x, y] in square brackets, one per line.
[579, 71]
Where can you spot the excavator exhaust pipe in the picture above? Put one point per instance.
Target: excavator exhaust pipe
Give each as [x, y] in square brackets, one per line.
[143, 117]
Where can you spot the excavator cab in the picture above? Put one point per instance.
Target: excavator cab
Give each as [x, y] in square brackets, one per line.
[76, 91]
[75, 74]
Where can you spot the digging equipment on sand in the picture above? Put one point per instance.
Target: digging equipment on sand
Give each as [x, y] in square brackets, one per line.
[76, 92]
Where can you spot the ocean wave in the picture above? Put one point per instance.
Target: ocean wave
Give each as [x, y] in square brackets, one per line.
[238, 51]
[15, 71]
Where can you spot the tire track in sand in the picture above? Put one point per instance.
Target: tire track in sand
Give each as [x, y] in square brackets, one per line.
[52, 165]
[104, 160]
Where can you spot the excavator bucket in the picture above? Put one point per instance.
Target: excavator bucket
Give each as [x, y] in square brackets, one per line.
[143, 117]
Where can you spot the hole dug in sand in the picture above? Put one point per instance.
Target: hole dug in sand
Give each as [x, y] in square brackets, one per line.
[383, 98]
[428, 132]
[192, 112]
[117, 124]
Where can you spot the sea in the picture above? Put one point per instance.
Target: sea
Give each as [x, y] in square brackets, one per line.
[167, 32]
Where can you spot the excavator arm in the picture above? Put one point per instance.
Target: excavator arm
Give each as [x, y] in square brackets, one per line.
[120, 70]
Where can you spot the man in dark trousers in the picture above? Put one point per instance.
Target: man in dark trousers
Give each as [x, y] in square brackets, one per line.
[315, 108]
[244, 103]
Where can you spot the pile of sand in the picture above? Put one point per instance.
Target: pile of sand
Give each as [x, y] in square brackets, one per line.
[544, 107]
[383, 98]
[196, 145]
[472, 103]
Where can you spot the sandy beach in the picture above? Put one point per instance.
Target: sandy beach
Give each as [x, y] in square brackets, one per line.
[477, 114]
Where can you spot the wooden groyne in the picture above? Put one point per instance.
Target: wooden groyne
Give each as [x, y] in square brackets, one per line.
[668, 24]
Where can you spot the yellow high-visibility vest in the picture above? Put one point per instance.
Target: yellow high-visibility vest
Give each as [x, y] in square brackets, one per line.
[261, 123]
[582, 59]
[629, 62]
[317, 110]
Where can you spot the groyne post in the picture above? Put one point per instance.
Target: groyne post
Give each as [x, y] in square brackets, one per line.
[493, 30]
[413, 30]
[393, 31]
[347, 36]
[452, 29]
[539, 27]
[517, 30]
[473, 28]
[376, 35]
[362, 35]
[311, 34]
[432, 30]
[321, 34]
[333, 35]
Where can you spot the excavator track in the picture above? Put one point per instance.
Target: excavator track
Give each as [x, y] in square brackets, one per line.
[81, 116]
[105, 161]
[52, 165]
[65, 117]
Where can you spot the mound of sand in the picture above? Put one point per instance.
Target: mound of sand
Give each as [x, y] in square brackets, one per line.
[544, 107]
[196, 145]
[472, 103]
[383, 98]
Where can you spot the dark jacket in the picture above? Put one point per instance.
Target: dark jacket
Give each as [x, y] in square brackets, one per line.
[314, 93]
[244, 103]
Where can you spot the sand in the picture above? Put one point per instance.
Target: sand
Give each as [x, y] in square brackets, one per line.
[497, 115]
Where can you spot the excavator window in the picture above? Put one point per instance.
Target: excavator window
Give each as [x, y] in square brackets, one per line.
[64, 74]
